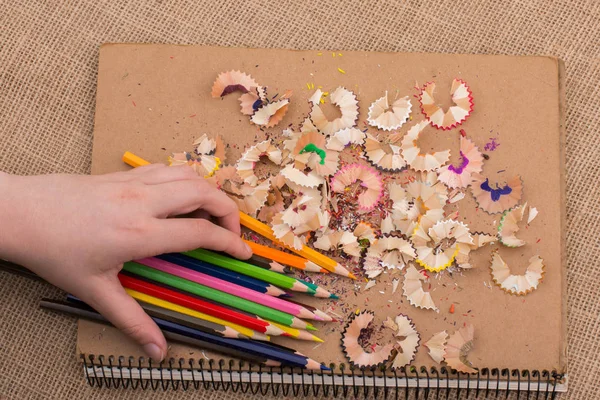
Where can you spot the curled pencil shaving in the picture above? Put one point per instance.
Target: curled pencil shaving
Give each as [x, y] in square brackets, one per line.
[271, 114]
[344, 240]
[519, 285]
[455, 115]
[245, 165]
[413, 290]
[295, 176]
[509, 226]
[417, 203]
[387, 252]
[348, 105]
[310, 152]
[273, 205]
[471, 162]
[252, 100]
[413, 155]
[352, 348]
[303, 208]
[533, 212]
[480, 239]
[382, 116]
[499, 199]
[437, 346]
[409, 344]
[369, 179]
[284, 233]
[385, 154]
[232, 81]
[345, 137]
[457, 349]
[445, 242]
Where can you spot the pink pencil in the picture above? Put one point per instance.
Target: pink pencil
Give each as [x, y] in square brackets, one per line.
[228, 287]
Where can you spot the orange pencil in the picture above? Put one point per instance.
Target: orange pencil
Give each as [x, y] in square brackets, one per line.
[284, 258]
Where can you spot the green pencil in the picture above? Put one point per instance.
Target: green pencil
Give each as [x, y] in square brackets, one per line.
[216, 295]
[274, 278]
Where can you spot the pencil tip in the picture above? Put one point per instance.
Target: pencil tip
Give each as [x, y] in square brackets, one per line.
[324, 368]
[317, 339]
[351, 275]
[333, 296]
[285, 295]
[310, 327]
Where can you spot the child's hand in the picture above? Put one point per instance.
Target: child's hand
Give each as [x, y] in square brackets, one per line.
[76, 232]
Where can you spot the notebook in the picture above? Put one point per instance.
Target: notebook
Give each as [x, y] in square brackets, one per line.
[153, 100]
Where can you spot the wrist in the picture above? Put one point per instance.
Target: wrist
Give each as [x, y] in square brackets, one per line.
[8, 215]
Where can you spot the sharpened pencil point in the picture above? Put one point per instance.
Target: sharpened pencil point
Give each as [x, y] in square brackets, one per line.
[317, 339]
[310, 327]
[324, 368]
[333, 296]
[351, 275]
[286, 295]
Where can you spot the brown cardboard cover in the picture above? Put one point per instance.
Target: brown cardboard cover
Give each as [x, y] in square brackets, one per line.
[155, 99]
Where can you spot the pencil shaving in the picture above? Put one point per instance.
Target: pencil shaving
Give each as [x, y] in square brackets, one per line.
[500, 199]
[385, 154]
[345, 137]
[232, 81]
[387, 118]
[413, 290]
[437, 346]
[414, 157]
[519, 285]
[455, 115]
[409, 344]
[509, 226]
[348, 105]
[354, 351]
[461, 176]
[458, 347]
[369, 179]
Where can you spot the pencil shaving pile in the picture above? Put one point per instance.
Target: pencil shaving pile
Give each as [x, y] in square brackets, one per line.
[369, 191]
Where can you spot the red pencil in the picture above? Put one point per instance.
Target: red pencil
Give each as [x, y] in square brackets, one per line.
[194, 303]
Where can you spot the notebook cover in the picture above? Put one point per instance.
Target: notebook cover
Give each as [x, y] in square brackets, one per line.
[155, 99]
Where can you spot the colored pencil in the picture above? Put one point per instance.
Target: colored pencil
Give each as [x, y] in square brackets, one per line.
[147, 300]
[267, 232]
[284, 258]
[323, 315]
[225, 274]
[271, 265]
[200, 305]
[306, 252]
[209, 293]
[229, 288]
[280, 280]
[286, 330]
[187, 335]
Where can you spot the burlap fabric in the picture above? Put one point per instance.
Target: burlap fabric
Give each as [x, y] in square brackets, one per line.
[48, 65]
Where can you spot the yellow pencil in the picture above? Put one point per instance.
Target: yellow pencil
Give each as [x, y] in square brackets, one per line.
[297, 333]
[264, 230]
[193, 313]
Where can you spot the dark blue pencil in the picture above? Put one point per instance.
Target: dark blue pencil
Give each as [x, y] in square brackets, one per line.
[224, 274]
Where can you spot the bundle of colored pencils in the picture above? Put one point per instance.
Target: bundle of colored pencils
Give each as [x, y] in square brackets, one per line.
[214, 301]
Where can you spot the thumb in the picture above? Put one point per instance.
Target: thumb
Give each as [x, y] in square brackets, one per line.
[112, 301]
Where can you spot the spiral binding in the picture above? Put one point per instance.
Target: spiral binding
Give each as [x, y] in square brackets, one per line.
[238, 376]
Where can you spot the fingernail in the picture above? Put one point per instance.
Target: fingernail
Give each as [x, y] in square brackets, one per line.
[248, 249]
[153, 351]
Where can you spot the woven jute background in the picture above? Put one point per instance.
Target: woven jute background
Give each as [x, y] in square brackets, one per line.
[48, 66]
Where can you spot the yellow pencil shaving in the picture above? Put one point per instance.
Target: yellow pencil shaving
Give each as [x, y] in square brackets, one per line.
[341, 70]
[308, 86]
[319, 54]
[325, 94]
[332, 54]
[133, 160]
[340, 54]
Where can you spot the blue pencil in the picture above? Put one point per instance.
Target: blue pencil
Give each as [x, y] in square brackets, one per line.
[224, 274]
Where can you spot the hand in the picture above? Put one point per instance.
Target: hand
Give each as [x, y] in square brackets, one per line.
[76, 231]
